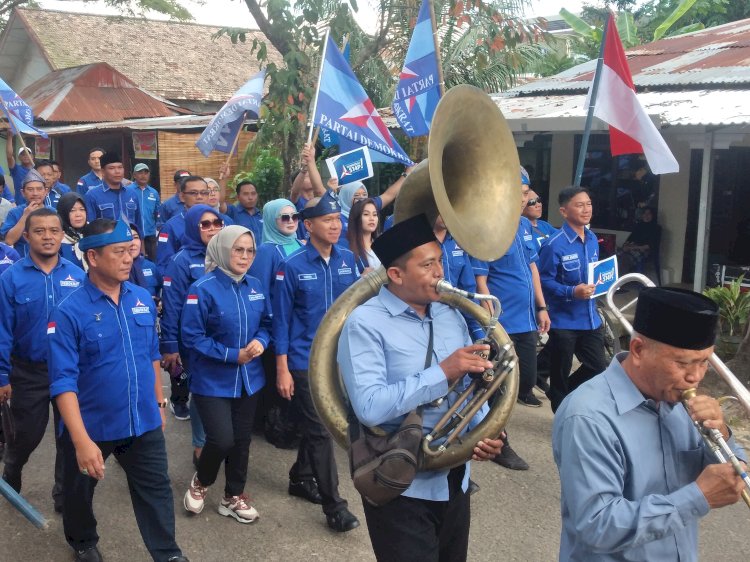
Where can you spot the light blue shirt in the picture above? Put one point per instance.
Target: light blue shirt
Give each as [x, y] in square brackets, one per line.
[381, 354]
[627, 470]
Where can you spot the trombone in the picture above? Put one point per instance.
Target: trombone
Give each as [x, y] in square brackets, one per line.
[712, 437]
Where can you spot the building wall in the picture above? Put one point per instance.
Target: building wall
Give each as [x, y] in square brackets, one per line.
[31, 69]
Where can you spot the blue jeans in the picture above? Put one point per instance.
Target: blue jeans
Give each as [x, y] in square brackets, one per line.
[144, 460]
[196, 425]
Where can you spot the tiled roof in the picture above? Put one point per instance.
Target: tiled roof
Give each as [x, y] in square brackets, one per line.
[178, 61]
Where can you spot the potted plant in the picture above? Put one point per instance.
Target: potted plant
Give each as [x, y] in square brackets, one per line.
[734, 308]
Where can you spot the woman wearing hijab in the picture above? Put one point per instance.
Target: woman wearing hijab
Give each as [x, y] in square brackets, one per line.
[225, 329]
[280, 221]
[349, 193]
[72, 210]
[187, 266]
[363, 229]
[143, 272]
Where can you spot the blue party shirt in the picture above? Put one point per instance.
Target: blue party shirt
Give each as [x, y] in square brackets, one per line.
[305, 288]
[18, 173]
[542, 231]
[563, 265]
[251, 221]
[185, 268]
[148, 202]
[509, 279]
[104, 352]
[11, 220]
[27, 297]
[88, 182]
[458, 271]
[266, 263]
[8, 256]
[103, 202]
[170, 208]
[220, 317]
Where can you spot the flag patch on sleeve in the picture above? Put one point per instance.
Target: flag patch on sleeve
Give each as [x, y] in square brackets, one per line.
[192, 299]
[167, 281]
[163, 236]
[51, 328]
[279, 276]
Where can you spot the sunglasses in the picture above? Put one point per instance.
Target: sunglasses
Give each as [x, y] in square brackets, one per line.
[208, 225]
[204, 193]
[287, 217]
[532, 202]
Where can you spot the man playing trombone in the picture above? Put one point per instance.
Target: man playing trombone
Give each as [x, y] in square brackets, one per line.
[635, 474]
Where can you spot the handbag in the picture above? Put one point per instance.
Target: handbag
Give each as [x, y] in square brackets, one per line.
[383, 466]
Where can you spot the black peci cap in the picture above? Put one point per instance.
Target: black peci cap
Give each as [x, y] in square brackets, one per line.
[402, 238]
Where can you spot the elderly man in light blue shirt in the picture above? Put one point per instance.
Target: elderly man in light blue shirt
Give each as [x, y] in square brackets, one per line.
[635, 474]
[381, 354]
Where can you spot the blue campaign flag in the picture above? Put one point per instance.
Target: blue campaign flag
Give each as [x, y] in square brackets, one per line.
[18, 126]
[18, 112]
[344, 107]
[418, 90]
[225, 125]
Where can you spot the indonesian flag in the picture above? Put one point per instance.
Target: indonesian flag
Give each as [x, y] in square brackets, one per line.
[631, 130]
[192, 299]
[51, 328]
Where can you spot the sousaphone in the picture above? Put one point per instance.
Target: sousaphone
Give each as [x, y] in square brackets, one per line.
[472, 179]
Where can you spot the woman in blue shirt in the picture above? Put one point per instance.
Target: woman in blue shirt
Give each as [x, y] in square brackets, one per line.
[72, 211]
[363, 229]
[225, 327]
[280, 221]
[143, 272]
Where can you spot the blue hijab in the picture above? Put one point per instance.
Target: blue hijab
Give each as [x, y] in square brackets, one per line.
[346, 196]
[271, 232]
[191, 240]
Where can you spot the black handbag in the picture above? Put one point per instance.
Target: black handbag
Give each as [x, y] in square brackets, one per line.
[383, 466]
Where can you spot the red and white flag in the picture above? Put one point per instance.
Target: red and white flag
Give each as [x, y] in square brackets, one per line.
[631, 130]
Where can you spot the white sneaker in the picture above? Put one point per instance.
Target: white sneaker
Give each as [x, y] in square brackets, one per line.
[238, 507]
[195, 496]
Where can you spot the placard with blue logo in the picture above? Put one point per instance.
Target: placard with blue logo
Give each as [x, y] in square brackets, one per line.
[603, 274]
[354, 165]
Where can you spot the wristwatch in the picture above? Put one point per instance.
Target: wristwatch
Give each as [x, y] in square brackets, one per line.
[540, 308]
[163, 403]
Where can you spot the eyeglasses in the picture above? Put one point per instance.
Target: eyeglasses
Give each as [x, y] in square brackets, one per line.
[287, 217]
[242, 252]
[532, 202]
[208, 225]
[204, 193]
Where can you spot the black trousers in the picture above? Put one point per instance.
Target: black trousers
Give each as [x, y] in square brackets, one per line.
[29, 406]
[228, 423]
[588, 346]
[525, 346]
[315, 453]
[144, 460]
[422, 530]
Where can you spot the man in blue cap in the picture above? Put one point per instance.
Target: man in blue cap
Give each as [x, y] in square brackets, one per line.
[35, 192]
[306, 285]
[104, 375]
[148, 200]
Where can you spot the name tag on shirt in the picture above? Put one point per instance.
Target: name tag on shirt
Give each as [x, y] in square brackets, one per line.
[192, 265]
[345, 271]
[69, 282]
[570, 257]
[256, 297]
[140, 308]
[458, 252]
[307, 276]
[528, 237]
[147, 273]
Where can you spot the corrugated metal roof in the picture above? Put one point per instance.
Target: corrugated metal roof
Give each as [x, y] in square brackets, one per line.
[179, 61]
[686, 108]
[92, 93]
[711, 57]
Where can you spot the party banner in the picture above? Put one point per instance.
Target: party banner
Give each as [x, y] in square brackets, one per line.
[42, 148]
[144, 145]
[603, 274]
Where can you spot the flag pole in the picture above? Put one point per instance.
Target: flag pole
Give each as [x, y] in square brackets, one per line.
[317, 86]
[592, 105]
[436, 41]
[234, 145]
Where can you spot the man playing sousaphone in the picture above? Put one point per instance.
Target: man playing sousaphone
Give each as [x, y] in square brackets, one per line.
[381, 354]
[635, 476]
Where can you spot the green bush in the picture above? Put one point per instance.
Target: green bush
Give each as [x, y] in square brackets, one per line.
[266, 174]
[734, 306]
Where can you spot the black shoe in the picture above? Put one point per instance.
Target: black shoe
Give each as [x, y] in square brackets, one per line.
[13, 479]
[307, 490]
[89, 555]
[530, 400]
[509, 459]
[178, 559]
[473, 487]
[180, 410]
[342, 521]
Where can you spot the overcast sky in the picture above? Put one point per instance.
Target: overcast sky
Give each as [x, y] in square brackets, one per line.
[234, 12]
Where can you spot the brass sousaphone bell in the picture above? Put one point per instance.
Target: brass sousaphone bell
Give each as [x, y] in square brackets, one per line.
[471, 179]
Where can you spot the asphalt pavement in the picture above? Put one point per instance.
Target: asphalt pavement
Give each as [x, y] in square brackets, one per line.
[515, 515]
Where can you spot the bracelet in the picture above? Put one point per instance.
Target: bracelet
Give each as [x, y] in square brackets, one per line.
[541, 308]
[163, 403]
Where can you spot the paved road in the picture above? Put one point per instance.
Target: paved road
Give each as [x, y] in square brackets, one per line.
[515, 515]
